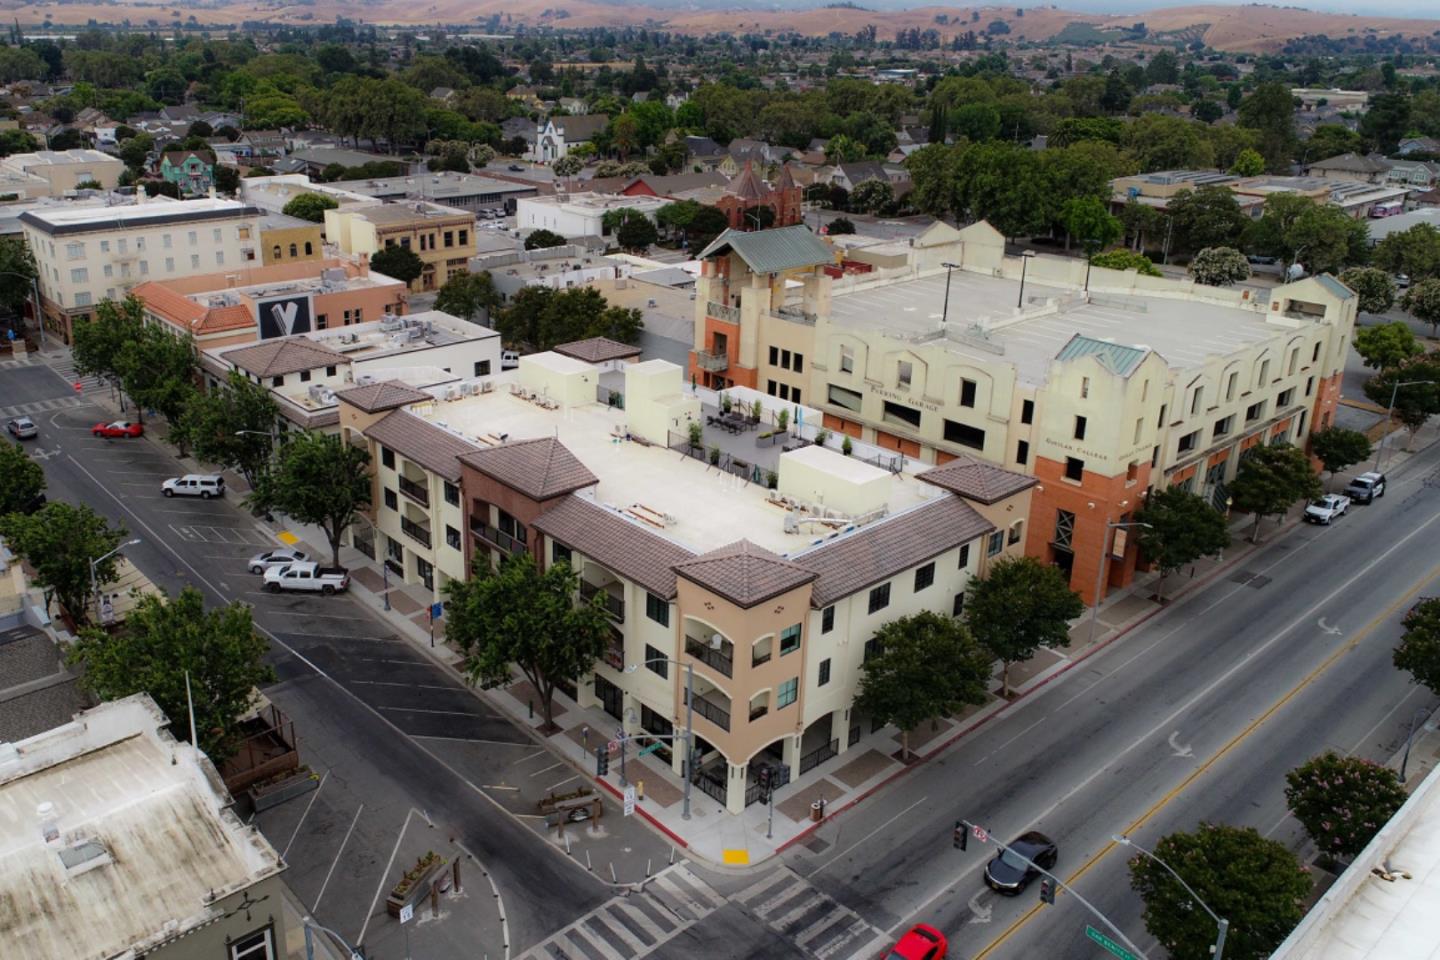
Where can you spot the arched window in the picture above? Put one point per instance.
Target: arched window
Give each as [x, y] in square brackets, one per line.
[308, 248]
[294, 251]
[276, 253]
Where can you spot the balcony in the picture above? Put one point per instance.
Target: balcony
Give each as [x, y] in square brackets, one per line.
[762, 652]
[420, 534]
[711, 362]
[615, 606]
[758, 710]
[796, 315]
[418, 492]
[712, 711]
[495, 538]
[721, 312]
[615, 653]
[722, 660]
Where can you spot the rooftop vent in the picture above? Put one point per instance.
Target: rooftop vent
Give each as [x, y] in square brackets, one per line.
[84, 855]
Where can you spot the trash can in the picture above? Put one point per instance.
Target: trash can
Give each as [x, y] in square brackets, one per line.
[817, 810]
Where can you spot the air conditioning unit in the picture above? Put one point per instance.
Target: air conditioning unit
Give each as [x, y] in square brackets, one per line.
[317, 393]
[487, 386]
[451, 392]
[365, 380]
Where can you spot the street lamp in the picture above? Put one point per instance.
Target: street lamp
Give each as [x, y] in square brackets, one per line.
[310, 924]
[1405, 761]
[1024, 262]
[945, 311]
[1223, 924]
[35, 297]
[1390, 413]
[94, 586]
[1104, 555]
[689, 720]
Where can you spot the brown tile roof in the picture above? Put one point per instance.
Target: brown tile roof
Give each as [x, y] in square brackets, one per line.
[275, 358]
[977, 480]
[435, 449]
[746, 185]
[624, 546]
[744, 574]
[386, 395]
[849, 564]
[540, 469]
[597, 350]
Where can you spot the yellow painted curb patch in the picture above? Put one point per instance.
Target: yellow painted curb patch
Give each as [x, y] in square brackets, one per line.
[735, 858]
[287, 538]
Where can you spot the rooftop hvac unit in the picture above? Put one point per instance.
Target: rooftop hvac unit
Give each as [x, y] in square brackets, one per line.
[365, 379]
[472, 388]
[451, 392]
[487, 386]
[317, 393]
[333, 275]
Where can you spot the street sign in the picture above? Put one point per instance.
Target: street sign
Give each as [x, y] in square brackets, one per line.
[980, 833]
[437, 610]
[629, 801]
[407, 912]
[614, 746]
[1109, 944]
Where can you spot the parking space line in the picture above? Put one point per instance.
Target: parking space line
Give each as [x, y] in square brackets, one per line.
[315, 907]
[497, 743]
[447, 713]
[552, 789]
[296, 832]
[528, 757]
[558, 763]
[385, 873]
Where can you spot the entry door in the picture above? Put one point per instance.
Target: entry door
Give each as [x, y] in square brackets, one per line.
[612, 698]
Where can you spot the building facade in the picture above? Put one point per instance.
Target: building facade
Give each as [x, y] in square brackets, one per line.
[193, 172]
[65, 170]
[442, 237]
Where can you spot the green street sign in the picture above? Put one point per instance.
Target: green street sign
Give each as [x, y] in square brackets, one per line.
[1109, 944]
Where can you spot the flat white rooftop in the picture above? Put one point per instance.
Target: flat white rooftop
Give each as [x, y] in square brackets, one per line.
[118, 216]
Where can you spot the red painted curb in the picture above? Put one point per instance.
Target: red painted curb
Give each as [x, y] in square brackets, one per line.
[646, 814]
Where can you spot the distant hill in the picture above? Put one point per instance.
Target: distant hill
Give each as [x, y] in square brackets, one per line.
[1250, 28]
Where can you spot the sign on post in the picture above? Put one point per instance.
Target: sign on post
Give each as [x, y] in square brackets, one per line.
[980, 833]
[407, 912]
[630, 801]
[1109, 944]
[437, 610]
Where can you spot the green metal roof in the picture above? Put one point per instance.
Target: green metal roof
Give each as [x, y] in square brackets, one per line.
[774, 250]
[1116, 357]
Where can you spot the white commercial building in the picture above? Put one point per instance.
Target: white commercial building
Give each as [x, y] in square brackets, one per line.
[578, 214]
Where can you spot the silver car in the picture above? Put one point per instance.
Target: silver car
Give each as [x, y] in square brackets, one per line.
[22, 428]
[275, 558]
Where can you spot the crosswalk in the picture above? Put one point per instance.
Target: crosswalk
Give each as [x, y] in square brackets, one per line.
[629, 927]
[39, 406]
[65, 366]
[819, 926]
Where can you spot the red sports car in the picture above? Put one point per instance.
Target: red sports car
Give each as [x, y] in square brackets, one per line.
[117, 428]
[923, 942]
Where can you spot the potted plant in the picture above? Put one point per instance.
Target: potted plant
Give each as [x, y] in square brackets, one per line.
[756, 411]
[821, 436]
[414, 886]
[772, 479]
[724, 403]
[697, 435]
[782, 421]
[714, 456]
[847, 447]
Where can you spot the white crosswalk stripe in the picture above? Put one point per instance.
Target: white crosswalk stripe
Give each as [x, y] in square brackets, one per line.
[629, 927]
[40, 406]
[14, 364]
[65, 366]
[813, 921]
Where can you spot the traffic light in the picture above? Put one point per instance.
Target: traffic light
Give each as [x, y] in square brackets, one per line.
[1047, 890]
[602, 761]
[962, 835]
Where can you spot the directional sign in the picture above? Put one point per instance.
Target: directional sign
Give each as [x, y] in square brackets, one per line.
[1109, 944]
[406, 912]
[980, 833]
[630, 801]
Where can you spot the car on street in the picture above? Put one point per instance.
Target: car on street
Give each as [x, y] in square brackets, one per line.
[515, 168]
[202, 485]
[1401, 281]
[22, 428]
[922, 942]
[117, 428]
[1366, 487]
[307, 576]
[1262, 259]
[1327, 508]
[1008, 873]
[276, 558]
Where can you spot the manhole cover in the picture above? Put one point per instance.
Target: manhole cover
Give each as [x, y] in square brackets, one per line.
[1257, 582]
[816, 845]
[1243, 576]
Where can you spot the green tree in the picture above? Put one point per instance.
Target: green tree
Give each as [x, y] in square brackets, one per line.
[637, 233]
[1183, 527]
[1374, 287]
[1255, 883]
[161, 642]
[310, 206]
[1021, 606]
[232, 425]
[1270, 112]
[1422, 301]
[1208, 217]
[928, 666]
[1419, 400]
[136, 151]
[17, 270]
[1331, 140]
[317, 478]
[1248, 164]
[1414, 252]
[1141, 222]
[872, 196]
[518, 616]
[1386, 345]
[1339, 448]
[21, 479]
[542, 239]
[227, 179]
[468, 296]
[541, 317]
[1342, 802]
[840, 226]
[157, 368]
[98, 343]
[1270, 480]
[933, 170]
[567, 166]
[399, 262]
[1219, 267]
[1419, 649]
[58, 541]
[1004, 184]
[1298, 230]
[1386, 120]
[1126, 260]
[1088, 221]
[976, 122]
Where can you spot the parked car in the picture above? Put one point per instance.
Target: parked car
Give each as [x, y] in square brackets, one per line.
[22, 428]
[117, 428]
[276, 558]
[202, 485]
[509, 359]
[1008, 874]
[1401, 281]
[515, 168]
[1330, 507]
[1366, 487]
[307, 576]
[1262, 260]
[922, 942]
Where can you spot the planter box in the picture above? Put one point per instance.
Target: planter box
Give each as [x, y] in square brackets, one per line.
[267, 795]
[779, 436]
[417, 891]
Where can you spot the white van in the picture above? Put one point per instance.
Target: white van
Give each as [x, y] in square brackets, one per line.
[203, 485]
[509, 360]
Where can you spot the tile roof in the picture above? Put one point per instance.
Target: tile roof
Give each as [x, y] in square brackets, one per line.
[879, 551]
[746, 185]
[597, 350]
[275, 358]
[744, 574]
[773, 250]
[977, 480]
[386, 395]
[620, 544]
[540, 469]
[169, 304]
[1116, 357]
[414, 438]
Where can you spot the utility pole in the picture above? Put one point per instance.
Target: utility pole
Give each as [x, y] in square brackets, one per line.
[1216, 951]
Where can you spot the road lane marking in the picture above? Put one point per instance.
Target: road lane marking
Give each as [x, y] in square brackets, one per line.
[315, 907]
[296, 832]
[836, 858]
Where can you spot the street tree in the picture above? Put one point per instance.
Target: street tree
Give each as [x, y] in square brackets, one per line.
[568, 165]
[519, 616]
[1270, 480]
[58, 541]
[540, 317]
[1414, 252]
[317, 478]
[1270, 112]
[1419, 649]
[17, 270]
[469, 296]
[310, 206]
[872, 196]
[163, 640]
[1339, 447]
[543, 239]
[1422, 301]
[1219, 267]
[157, 370]
[1386, 345]
[1416, 402]
[233, 426]
[98, 342]
[840, 226]
[1255, 883]
[399, 262]
[1208, 217]
[1141, 223]
[637, 233]
[1342, 802]
[927, 666]
[1021, 606]
[1126, 260]
[1183, 527]
[1373, 286]
[21, 479]
[1090, 223]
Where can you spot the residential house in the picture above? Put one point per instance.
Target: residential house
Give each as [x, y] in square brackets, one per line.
[704, 151]
[1351, 166]
[443, 94]
[193, 171]
[1411, 145]
[558, 135]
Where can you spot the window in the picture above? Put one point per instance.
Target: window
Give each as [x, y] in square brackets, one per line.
[824, 677]
[898, 413]
[215, 234]
[656, 662]
[847, 361]
[104, 246]
[771, 387]
[1223, 425]
[277, 381]
[1079, 428]
[1230, 382]
[309, 248]
[1074, 468]
[1294, 359]
[1161, 421]
[1139, 428]
[1017, 530]
[1255, 411]
[790, 639]
[449, 238]
[392, 502]
[964, 555]
[242, 232]
[958, 607]
[996, 544]
[967, 396]
[849, 399]
[74, 251]
[785, 359]
[80, 275]
[1189, 442]
[322, 321]
[294, 251]
[259, 945]
[880, 598]
[657, 609]
[1309, 386]
[169, 263]
[798, 363]
[144, 268]
[1285, 399]
[774, 356]
[387, 457]
[965, 435]
[452, 494]
[1027, 411]
[195, 261]
[1084, 387]
[82, 299]
[904, 374]
[1064, 529]
[1132, 471]
[329, 371]
[827, 619]
[1315, 354]
[452, 537]
[464, 239]
[787, 693]
[304, 376]
[1022, 452]
[482, 368]
[559, 553]
[924, 576]
[109, 270]
[165, 241]
[194, 238]
[1195, 399]
[795, 394]
[1264, 372]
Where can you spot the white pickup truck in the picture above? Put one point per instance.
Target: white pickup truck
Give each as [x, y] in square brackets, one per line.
[306, 576]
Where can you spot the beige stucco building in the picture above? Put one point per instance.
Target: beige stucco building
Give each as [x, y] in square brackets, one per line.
[65, 170]
[442, 237]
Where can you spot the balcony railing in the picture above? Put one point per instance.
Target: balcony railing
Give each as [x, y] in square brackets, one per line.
[615, 655]
[613, 604]
[496, 538]
[796, 315]
[722, 660]
[758, 711]
[759, 658]
[712, 711]
[414, 531]
[721, 312]
[713, 362]
[418, 492]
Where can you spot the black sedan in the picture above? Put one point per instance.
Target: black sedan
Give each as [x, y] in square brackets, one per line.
[1007, 873]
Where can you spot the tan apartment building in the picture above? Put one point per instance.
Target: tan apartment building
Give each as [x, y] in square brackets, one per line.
[285, 239]
[64, 170]
[121, 842]
[1100, 395]
[442, 237]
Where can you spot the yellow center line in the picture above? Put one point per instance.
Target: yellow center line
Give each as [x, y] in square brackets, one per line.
[1216, 757]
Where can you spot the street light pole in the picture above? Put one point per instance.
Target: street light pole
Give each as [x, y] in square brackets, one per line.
[1220, 921]
[1100, 573]
[1405, 761]
[689, 720]
[945, 310]
[1024, 262]
[1390, 414]
[309, 924]
[94, 580]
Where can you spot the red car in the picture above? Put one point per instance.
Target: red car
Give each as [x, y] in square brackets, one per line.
[117, 428]
[921, 943]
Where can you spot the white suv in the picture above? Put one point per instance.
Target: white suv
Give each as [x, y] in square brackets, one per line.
[203, 485]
